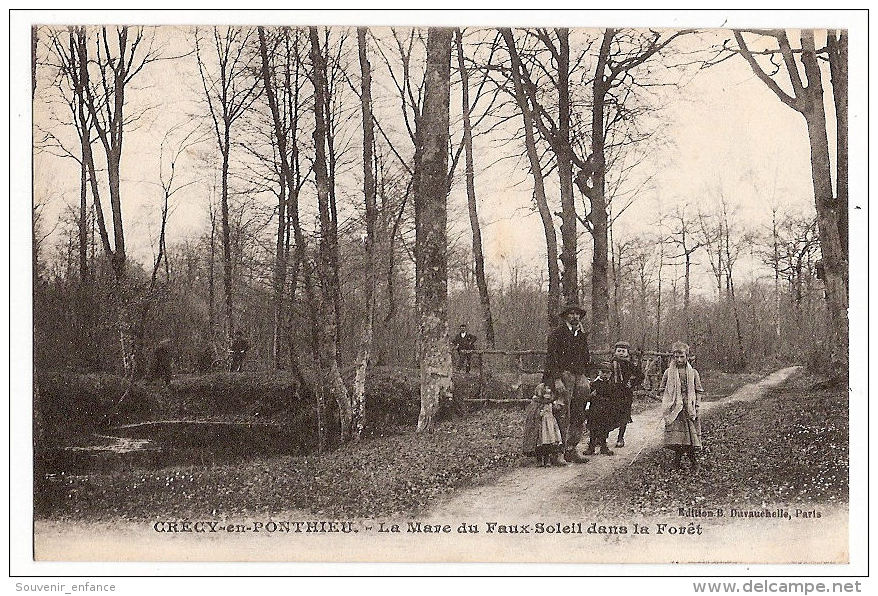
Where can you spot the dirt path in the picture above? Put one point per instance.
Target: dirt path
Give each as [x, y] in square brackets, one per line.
[507, 514]
[528, 491]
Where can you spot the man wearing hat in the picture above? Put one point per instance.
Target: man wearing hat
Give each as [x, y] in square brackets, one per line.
[567, 361]
[464, 343]
[627, 376]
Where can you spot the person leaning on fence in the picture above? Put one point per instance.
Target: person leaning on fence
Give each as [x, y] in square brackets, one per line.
[567, 361]
[541, 437]
[681, 387]
[464, 343]
[626, 377]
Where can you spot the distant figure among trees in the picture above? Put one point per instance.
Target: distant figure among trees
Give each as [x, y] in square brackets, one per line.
[238, 350]
[162, 361]
[464, 343]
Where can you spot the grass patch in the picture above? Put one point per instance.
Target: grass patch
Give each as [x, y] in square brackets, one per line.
[397, 473]
[789, 447]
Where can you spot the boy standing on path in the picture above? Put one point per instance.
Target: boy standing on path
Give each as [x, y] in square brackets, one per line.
[567, 361]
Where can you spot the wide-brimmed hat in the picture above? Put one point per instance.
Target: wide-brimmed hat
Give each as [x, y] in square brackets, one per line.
[622, 344]
[572, 307]
[605, 366]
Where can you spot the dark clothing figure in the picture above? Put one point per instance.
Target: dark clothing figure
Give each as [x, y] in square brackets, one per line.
[162, 363]
[464, 343]
[239, 350]
[566, 350]
[567, 360]
[205, 360]
[605, 413]
[627, 376]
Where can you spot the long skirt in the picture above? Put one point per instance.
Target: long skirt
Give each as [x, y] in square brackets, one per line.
[683, 432]
[541, 433]
[550, 432]
[531, 432]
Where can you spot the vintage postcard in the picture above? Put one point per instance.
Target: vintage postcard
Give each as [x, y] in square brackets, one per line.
[537, 289]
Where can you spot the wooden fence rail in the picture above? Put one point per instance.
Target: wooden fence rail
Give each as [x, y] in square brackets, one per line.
[646, 357]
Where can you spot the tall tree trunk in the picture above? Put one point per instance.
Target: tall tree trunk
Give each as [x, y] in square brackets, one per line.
[369, 194]
[294, 184]
[333, 209]
[83, 224]
[834, 262]
[838, 64]
[225, 229]
[615, 266]
[658, 307]
[78, 39]
[280, 272]
[776, 266]
[831, 212]
[33, 62]
[600, 300]
[211, 299]
[478, 255]
[281, 240]
[554, 297]
[331, 382]
[114, 161]
[569, 252]
[321, 392]
[431, 267]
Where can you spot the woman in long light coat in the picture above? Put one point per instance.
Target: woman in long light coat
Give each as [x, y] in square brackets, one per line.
[681, 397]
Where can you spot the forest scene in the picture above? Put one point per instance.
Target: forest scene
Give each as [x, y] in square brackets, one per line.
[319, 269]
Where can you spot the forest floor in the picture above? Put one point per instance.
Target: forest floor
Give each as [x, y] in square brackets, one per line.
[400, 472]
[768, 450]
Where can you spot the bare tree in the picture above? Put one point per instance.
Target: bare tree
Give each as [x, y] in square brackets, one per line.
[431, 265]
[331, 384]
[620, 55]
[710, 234]
[171, 151]
[229, 89]
[283, 81]
[68, 84]
[119, 56]
[370, 197]
[527, 114]
[807, 99]
[475, 226]
[681, 236]
[731, 249]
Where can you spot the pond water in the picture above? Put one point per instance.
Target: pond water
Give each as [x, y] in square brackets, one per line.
[152, 446]
[166, 443]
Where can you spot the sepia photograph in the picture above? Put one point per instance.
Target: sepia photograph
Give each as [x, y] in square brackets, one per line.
[531, 290]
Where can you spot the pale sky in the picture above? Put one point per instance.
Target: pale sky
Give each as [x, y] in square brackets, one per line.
[724, 131]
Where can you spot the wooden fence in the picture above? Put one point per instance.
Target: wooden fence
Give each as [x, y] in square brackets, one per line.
[523, 364]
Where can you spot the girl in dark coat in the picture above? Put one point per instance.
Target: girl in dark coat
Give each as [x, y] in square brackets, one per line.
[605, 411]
[626, 377]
